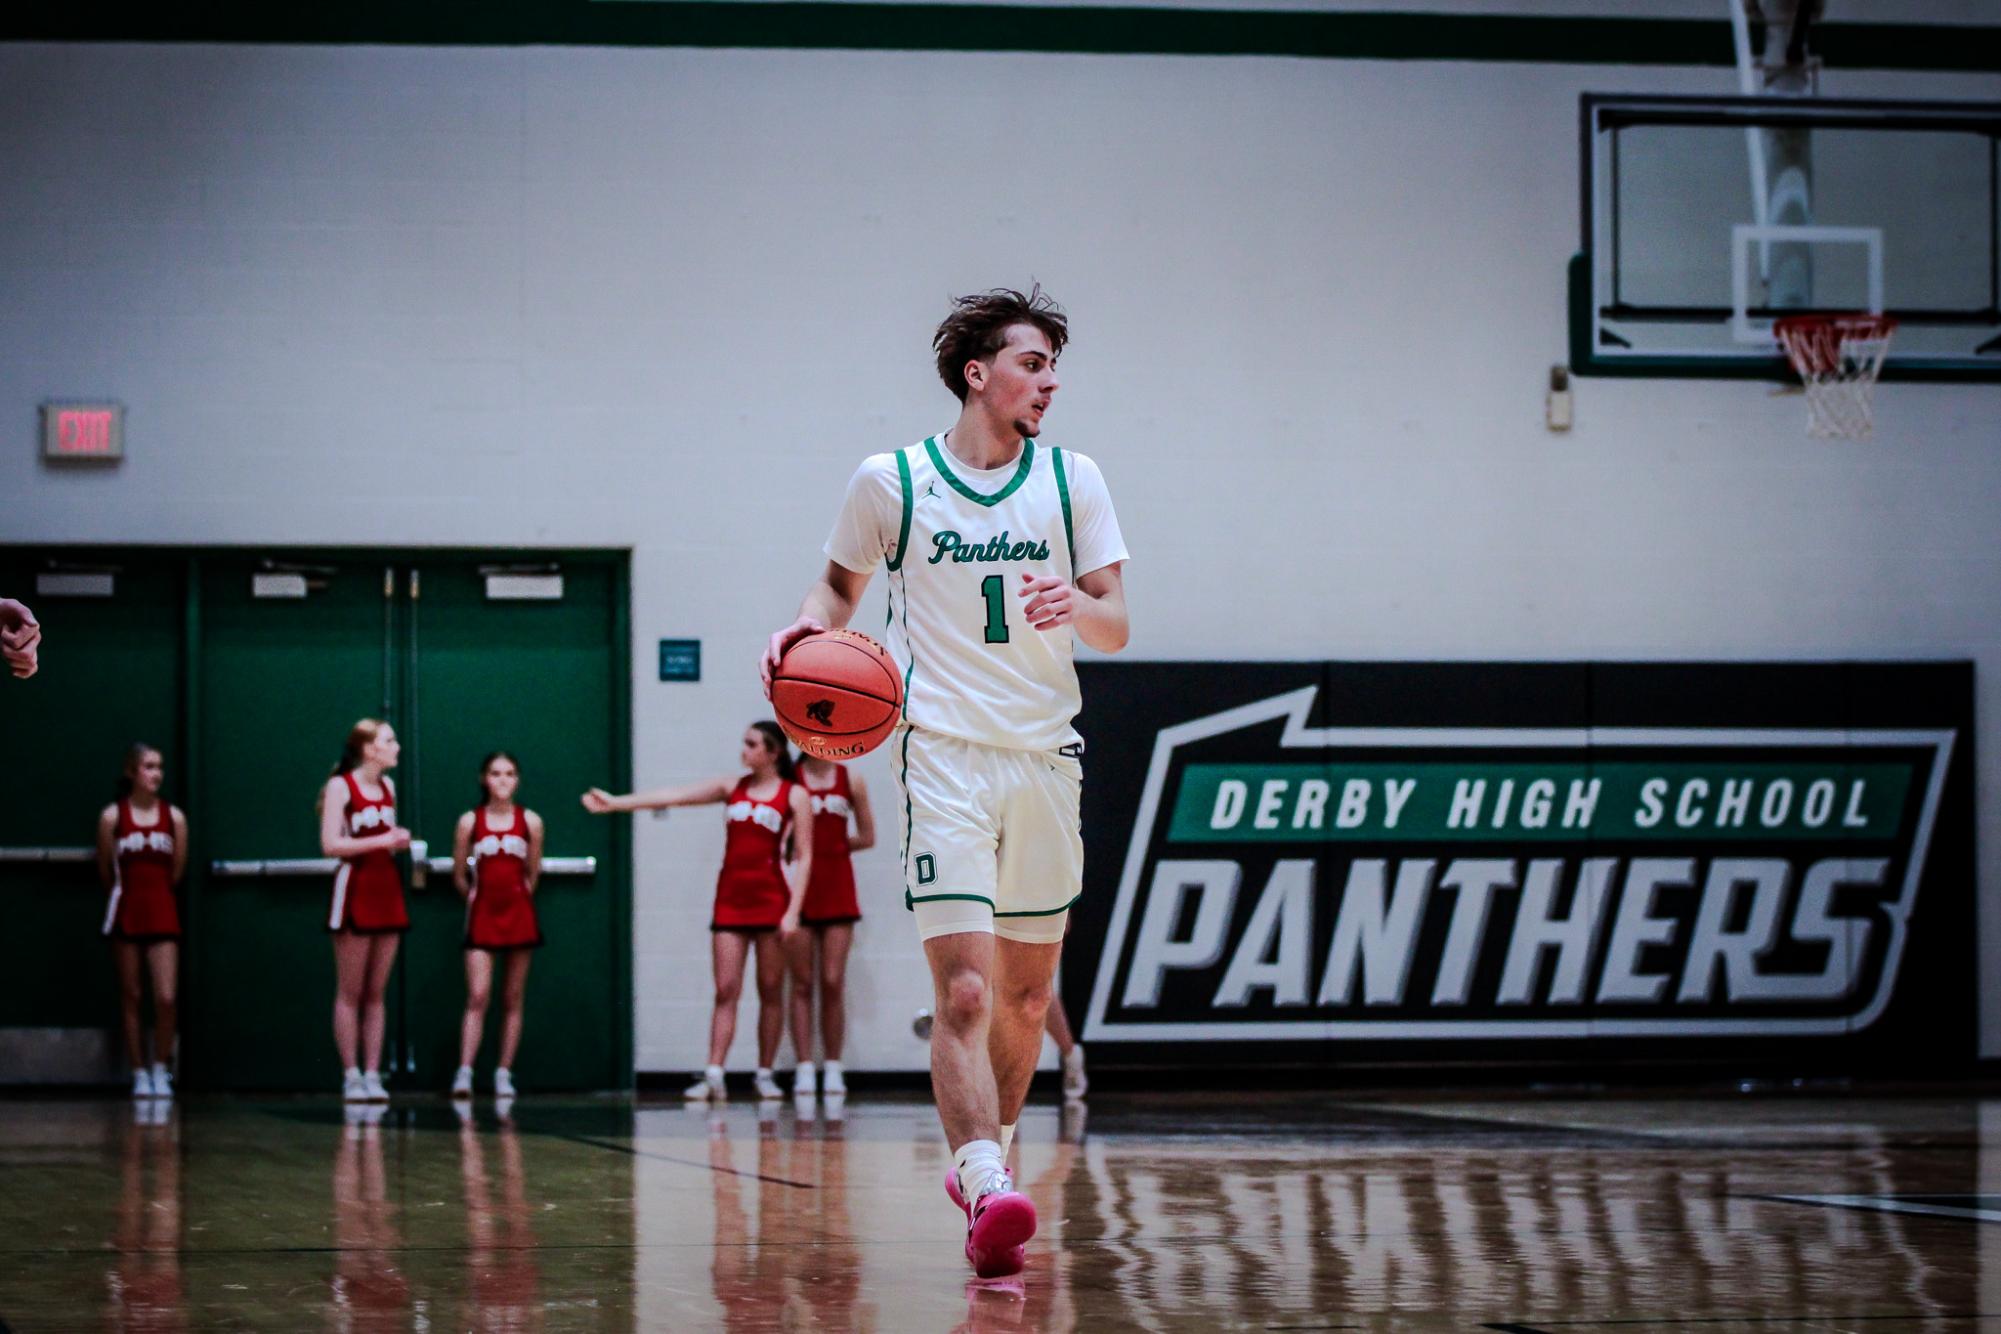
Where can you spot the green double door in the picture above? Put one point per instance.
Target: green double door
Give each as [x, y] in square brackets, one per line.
[264, 662]
[111, 676]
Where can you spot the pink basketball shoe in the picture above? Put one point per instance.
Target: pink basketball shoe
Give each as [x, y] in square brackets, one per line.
[998, 1226]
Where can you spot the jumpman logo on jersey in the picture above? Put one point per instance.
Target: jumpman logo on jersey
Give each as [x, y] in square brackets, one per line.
[930, 492]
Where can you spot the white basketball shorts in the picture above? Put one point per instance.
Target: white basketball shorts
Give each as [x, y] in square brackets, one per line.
[991, 839]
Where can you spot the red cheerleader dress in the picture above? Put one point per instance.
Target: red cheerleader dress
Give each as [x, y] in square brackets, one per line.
[142, 903]
[830, 894]
[500, 912]
[368, 890]
[751, 894]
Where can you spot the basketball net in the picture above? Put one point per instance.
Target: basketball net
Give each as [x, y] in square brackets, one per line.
[1838, 358]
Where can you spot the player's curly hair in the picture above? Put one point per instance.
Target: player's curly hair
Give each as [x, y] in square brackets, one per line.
[977, 329]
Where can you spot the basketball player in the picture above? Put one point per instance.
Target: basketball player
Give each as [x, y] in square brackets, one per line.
[142, 852]
[496, 864]
[827, 918]
[368, 919]
[758, 893]
[20, 638]
[1000, 553]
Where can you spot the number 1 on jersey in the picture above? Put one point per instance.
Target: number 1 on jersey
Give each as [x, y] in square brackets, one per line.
[994, 589]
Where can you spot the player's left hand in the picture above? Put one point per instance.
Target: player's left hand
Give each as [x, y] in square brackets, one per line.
[1051, 602]
[788, 924]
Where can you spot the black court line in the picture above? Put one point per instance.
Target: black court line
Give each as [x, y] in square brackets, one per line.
[1738, 1320]
[684, 1162]
[1916, 1206]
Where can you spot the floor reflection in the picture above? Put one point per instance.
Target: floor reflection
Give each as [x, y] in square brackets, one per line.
[503, 1279]
[370, 1289]
[784, 1249]
[1524, 1226]
[145, 1286]
[1272, 1239]
[1186, 1213]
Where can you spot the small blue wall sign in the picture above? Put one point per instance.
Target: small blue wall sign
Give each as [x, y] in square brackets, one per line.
[680, 659]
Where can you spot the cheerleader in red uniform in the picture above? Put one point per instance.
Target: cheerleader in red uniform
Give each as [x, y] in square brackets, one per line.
[829, 915]
[496, 862]
[142, 851]
[758, 894]
[367, 917]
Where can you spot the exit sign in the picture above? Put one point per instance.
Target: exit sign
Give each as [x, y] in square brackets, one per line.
[83, 431]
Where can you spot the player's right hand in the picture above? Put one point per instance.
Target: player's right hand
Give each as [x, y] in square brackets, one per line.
[399, 839]
[599, 802]
[783, 640]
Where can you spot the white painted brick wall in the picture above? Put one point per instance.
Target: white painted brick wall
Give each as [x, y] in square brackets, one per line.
[667, 299]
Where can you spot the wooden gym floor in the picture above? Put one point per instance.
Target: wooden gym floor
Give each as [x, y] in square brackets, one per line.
[1253, 1212]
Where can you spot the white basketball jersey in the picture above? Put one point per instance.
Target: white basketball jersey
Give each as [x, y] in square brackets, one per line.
[956, 543]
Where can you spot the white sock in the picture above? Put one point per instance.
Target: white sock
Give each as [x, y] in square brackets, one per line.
[713, 1073]
[1007, 1142]
[159, 1067]
[353, 1072]
[832, 1067]
[978, 1162]
[764, 1072]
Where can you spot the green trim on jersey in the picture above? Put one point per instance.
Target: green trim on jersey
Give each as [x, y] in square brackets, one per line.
[903, 781]
[1063, 494]
[909, 673]
[1042, 912]
[909, 504]
[952, 480]
[910, 901]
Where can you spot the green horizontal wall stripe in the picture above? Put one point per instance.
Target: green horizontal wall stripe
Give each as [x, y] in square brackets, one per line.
[918, 27]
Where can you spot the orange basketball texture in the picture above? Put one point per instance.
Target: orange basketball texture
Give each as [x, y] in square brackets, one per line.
[837, 694]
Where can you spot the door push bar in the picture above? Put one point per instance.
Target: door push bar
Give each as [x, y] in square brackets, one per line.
[327, 865]
[48, 855]
[289, 865]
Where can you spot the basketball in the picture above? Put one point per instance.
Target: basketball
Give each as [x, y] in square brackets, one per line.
[837, 694]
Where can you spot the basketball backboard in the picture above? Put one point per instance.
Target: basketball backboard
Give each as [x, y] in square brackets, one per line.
[1707, 218]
